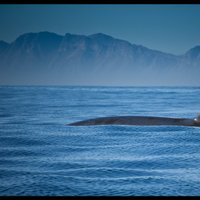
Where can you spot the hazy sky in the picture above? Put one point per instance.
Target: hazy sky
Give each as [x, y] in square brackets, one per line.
[169, 28]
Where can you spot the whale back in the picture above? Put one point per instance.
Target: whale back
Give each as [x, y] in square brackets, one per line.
[138, 120]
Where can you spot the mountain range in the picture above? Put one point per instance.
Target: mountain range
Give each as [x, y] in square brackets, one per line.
[45, 58]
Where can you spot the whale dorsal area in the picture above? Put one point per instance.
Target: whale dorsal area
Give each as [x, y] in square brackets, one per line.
[137, 120]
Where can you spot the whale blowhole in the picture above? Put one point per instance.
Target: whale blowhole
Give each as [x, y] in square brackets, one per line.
[197, 119]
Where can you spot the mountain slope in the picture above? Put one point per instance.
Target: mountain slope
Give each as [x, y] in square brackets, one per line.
[98, 59]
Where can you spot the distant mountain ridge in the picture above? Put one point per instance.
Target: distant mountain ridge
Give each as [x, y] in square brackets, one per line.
[97, 59]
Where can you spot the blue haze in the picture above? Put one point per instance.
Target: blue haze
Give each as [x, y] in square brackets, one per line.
[46, 58]
[41, 155]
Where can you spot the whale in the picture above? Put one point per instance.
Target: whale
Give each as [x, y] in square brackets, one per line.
[139, 121]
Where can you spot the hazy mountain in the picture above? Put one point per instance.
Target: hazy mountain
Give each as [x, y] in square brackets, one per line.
[98, 59]
[3, 46]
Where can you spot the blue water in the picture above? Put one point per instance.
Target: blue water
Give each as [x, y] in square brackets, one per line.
[41, 155]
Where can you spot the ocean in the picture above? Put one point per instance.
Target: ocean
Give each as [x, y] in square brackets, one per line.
[40, 155]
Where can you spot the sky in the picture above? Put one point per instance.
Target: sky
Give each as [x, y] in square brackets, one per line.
[169, 28]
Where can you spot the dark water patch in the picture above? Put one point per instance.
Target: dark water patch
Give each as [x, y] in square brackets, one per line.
[7, 173]
[20, 141]
[156, 162]
[45, 123]
[6, 153]
[14, 122]
[5, 115]
[32, 186]
[64, 165]
[110, 173]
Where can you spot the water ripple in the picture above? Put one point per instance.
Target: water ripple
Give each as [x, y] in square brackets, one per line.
[41, 156]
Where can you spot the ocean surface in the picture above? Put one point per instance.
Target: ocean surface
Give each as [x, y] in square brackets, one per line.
[41, 156]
